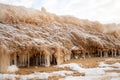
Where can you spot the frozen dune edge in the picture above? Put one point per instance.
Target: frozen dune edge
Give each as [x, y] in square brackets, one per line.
[31, 37]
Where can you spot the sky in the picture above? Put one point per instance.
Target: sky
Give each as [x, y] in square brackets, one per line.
[104, 11]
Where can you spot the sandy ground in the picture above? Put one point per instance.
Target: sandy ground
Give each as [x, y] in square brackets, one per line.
[85, 63]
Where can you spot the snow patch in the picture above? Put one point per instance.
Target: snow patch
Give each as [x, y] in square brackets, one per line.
[89, 71]
[114, 74]
[111, 59]
[75, 48]
[60, 73]
[102, 64]
[36, 75]
[44, 75]
[81, 78]
[116, 65]
[73, 66]
[94, 71]
[12, 68]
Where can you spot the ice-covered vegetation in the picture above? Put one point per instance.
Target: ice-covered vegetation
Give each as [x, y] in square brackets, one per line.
[30, 37]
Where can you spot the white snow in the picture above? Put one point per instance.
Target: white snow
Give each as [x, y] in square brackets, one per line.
[111, 59]
[36, 75]
[93, 73]
[114, 74]
[82, 78]
[75, 48]
[73, 66]
[116, 65]
[118, 78]
[8, 76]
[102, 64]
[12, 68]
[41, 40]
[77, 68]
[60, 73]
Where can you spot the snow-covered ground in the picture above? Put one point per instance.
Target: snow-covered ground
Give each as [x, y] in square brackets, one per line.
[35, 75]
[12, 68]
[94, 73]
[90, 73]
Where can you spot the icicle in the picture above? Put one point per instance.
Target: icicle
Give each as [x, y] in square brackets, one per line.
[58, 60]
[4, 59]
[89, 55]
[83, 56]
[101, 54]
[51, 58]
[23, 61]
[112, 53]
[47, 59]
[118, 52]
[105, 54]
[15, 62]
[55, 60]
[40, 59]
[36, 60]
[66, 57]
[28, 61]
[115, 54]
